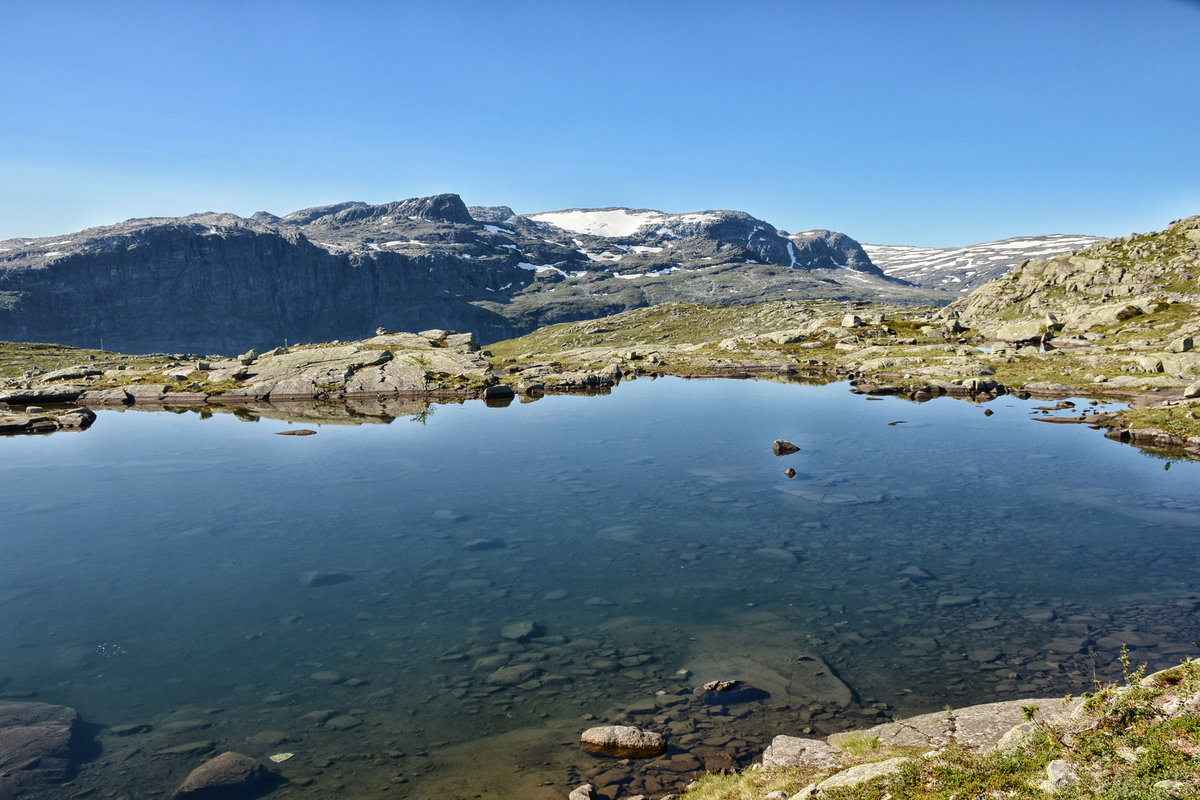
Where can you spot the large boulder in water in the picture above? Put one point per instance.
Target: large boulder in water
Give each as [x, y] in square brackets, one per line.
[35, 748]
[624, 741]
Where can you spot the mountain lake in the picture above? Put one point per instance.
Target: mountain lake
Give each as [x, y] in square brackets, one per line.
[439, 606]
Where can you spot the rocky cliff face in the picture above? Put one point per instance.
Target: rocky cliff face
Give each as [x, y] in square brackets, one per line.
[215, 282]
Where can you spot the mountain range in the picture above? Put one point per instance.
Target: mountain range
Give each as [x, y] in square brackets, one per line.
[212, 282]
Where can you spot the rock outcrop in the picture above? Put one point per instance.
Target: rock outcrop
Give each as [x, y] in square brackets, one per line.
[1108, 284]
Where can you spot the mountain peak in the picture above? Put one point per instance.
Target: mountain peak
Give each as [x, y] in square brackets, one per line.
[435, 208]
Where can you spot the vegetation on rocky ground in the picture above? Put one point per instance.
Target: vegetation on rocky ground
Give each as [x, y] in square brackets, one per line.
[1131, 742]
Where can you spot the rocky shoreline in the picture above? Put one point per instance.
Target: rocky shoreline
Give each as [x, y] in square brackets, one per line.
[345, 381]
[43, 746]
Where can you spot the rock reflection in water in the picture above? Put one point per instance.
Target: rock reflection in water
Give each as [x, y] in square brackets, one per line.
[353, 411]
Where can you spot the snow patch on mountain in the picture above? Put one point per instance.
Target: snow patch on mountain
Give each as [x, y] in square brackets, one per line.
[616, 222]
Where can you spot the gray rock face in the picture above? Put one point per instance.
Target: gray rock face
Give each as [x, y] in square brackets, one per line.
[1059, 775]
[35, 748]
[793, 751]
[624, 741]
[981, 727]
[229, 775]
[863, 773]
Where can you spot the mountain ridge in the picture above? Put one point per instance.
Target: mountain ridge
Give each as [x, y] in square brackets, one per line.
[212, 281]
[963, 269]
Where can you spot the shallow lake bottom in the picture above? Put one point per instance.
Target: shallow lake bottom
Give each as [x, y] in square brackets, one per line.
[496, 580]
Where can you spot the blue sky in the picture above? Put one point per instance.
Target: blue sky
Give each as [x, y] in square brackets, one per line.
[928, 123]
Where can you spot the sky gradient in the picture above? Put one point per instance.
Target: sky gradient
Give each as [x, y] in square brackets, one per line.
[927, 123]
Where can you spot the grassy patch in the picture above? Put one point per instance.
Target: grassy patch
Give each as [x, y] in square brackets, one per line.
[1183, 421]
[16, 358]
[859, 743]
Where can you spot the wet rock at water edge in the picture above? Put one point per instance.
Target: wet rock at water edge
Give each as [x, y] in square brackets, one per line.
[498, 392]
[297, 432]
[782, 447]
[229, 775]
[584, 792]
[623, 741]
[35, 747]
[729, 692]
[315, 578]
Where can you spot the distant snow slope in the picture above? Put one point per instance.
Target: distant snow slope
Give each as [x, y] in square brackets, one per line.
[961, 269]
[613, 222]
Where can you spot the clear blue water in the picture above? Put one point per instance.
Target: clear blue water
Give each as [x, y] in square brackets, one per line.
[151, 574]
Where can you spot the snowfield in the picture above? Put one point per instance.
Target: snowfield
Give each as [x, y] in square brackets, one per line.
[616, 223]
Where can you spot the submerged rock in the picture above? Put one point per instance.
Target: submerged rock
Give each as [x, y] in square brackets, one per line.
[623, 741]
[514, 675]
[488, 543]
[317, 578]
[519, 631]
[35, 748]
[728, 693]
[229, 775]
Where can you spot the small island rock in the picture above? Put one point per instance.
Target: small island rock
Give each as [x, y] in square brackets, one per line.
[782, 447]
